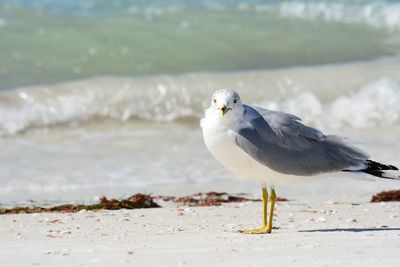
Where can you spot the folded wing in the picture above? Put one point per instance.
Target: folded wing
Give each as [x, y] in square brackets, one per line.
[281, 142]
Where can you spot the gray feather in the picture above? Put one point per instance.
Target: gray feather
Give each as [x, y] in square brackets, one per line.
[281, 142]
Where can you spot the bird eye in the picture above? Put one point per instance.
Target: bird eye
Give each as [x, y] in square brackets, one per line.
[235, 101]
[214, 100]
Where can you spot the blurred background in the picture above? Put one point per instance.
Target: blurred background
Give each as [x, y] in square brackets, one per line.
[104, 97]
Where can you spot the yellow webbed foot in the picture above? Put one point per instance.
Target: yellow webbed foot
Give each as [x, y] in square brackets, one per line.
[266, 227]
[257, 231]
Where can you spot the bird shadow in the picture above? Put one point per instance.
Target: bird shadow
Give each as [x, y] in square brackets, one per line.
[353, 230]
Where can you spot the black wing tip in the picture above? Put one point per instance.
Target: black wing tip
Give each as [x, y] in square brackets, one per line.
[379, 174]
[378, 169]
[373, 165]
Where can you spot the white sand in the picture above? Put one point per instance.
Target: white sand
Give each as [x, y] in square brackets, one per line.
[309, 234]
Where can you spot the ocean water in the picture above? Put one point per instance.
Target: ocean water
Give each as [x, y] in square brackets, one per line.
[105, 97]
[46, 42]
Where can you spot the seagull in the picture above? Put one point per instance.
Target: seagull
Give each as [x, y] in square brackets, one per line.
[254, 142]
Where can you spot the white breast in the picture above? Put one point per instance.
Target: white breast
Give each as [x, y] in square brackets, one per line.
[220, 142]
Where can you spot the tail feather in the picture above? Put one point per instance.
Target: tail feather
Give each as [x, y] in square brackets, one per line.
[381, 170]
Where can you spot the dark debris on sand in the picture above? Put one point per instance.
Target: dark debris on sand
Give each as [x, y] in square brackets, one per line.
[386, 196]
[138, 201]
[213, 199]
[210, 199]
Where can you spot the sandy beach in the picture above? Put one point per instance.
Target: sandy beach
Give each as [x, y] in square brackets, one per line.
[307, 234]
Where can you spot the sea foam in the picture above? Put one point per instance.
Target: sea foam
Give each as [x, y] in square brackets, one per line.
[375, 104]
[378, 14]
[320, 96]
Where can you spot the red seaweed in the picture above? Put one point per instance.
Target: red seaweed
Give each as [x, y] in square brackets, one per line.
[138, 201]
[386, 196]
[213, 199]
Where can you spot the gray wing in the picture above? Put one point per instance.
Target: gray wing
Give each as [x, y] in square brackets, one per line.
[281, 142]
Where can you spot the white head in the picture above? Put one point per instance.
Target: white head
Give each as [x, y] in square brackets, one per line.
[226, 104]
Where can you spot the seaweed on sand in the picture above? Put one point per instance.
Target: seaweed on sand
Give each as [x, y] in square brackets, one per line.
[213, 199]
[386, 196]
[137, 201]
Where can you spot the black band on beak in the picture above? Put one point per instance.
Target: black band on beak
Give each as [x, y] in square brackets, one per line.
[224, 110]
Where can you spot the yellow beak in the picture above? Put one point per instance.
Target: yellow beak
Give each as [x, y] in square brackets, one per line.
[224, 110]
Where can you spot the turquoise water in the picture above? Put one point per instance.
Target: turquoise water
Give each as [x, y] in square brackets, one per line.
[54, 41]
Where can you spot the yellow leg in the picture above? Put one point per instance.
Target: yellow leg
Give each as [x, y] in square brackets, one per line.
[271, 211]
[265, 205]
[265, 227]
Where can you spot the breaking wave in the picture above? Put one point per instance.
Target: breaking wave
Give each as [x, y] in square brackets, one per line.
[378, 14]
[171, 98]
[375, 104]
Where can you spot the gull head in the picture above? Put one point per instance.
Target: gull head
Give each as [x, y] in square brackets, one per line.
[226, 104]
